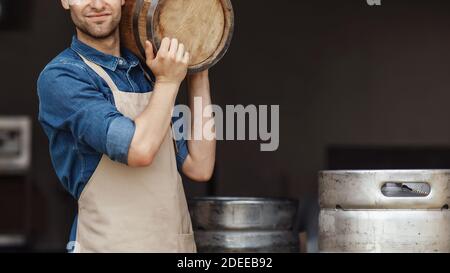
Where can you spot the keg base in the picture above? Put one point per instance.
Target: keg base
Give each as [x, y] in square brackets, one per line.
[247, 242]
[384, 231]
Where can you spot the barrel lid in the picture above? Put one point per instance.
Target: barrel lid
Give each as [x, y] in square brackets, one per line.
[205, 27]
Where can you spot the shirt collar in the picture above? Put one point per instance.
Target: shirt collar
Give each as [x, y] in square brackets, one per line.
[107, 61]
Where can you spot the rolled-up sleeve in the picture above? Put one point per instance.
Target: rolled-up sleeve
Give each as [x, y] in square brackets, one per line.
[181, 143]
[182, 153]
[118, 140]
[70, 100]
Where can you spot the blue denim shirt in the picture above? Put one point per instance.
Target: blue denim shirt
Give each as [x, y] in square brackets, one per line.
[78, 113]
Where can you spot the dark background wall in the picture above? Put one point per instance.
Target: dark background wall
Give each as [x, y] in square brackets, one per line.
[343, 73]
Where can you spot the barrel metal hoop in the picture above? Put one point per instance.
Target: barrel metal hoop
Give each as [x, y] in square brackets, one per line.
[150, 24]
[137, 11]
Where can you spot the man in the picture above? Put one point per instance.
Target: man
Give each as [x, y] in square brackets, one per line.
[108, 120]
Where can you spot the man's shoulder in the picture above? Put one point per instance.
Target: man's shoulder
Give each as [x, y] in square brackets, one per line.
[66, 58]
[67, 62]
[61, 72]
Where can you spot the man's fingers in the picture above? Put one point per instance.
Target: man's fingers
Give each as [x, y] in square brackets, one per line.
[165, 43]
[187, 58]
[173, 47]
[180, 52]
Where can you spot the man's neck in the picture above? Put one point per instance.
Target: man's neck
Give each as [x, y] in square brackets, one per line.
[109, 45]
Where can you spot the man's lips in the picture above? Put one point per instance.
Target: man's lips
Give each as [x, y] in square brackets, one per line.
[98, 15]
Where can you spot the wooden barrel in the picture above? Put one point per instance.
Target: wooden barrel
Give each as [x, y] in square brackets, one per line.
[205, 27]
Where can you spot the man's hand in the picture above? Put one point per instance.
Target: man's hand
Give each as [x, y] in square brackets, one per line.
[171, 61]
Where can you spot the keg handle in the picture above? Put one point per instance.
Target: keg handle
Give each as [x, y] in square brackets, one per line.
[405, 189]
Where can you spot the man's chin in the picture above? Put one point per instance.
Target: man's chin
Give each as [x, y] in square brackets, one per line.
[101, 35]
[98, 33]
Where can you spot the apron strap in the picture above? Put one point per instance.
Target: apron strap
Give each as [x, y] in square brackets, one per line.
[102, 73]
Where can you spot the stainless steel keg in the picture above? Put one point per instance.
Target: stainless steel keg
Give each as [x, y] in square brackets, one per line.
[384, 211]
[231, 224]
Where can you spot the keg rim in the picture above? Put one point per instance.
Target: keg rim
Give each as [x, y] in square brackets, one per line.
[384, 171]
[253, 200]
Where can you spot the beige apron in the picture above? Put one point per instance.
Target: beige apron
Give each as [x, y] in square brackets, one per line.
[125, 209]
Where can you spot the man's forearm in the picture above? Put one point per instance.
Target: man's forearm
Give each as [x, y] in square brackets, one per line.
[201, 159]
[152, 124]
